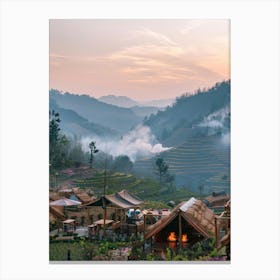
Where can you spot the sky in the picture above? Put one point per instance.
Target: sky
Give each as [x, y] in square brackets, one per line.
[144, 59]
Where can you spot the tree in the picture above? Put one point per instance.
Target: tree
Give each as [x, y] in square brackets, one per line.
[170, 180]
[58, 143]
[76, 155]
[123, 164]
[93, 151]
[201, 189]
[161, 169]
[54, 129]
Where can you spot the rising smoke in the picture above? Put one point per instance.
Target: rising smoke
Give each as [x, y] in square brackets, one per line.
[218, 123]
[138, 143]
[217, 119]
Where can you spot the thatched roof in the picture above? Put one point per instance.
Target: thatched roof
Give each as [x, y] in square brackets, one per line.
[217, 198]
[196, 214]
[56, 213]
[124, 194]
[122, 199]
[54, 196]
[83, 197]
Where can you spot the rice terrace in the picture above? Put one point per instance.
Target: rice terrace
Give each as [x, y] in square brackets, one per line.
[139, 141]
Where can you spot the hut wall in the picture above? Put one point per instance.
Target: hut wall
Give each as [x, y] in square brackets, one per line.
[87, 215]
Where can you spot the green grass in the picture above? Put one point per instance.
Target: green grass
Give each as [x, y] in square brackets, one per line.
[82, 249]
[58, 251]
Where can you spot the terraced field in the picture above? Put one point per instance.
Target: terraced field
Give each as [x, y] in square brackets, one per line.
[116, 181]
[201, 160]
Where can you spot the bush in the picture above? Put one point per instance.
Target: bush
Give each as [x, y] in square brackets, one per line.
[150, 257]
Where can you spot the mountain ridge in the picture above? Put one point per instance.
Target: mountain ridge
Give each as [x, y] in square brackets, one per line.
[95, 111]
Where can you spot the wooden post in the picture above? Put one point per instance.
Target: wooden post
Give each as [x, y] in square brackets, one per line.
[90, 233]
[88, 219]
[144, 226]
[104, 224]
[216, 233]
[180, 229]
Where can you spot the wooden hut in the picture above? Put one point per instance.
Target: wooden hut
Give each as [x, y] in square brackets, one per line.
[216, 199]
[120, 202]
[189, 222]
[84, 197]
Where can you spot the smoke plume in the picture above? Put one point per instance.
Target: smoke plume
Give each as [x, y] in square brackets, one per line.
[138, 143]
[218, 123]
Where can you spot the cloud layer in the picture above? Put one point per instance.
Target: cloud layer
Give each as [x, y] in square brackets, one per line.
[142, 59]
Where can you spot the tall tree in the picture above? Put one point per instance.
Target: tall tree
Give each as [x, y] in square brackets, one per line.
[58, 143]
[161, 169]
[54, 129]
[93, 151]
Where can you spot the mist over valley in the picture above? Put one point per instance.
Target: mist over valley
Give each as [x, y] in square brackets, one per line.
[192, 135]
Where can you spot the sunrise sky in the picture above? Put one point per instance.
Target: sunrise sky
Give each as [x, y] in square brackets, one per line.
[142, 59]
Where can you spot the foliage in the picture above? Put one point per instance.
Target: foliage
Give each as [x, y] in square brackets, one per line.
[188, 110]
[83, 249]
[76, 154]
[64, 151]
[161, 170]
[93, 150]
[168, 254]
[58, 143]
[123, 164]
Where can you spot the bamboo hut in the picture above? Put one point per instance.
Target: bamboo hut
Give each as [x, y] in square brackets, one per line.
[120, 202]
[189, 222]
[216, 199]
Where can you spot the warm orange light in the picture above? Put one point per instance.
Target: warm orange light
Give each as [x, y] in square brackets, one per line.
[172, 236]
[184, 238]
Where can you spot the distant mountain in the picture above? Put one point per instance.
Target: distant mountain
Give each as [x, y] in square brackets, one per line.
[73, 124]
[97, 112]
[126, 102]
[121, 101]
[206, 112]
[160, 103]
[143, 111]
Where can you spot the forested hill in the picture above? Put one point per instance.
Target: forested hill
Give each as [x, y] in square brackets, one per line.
[95, 111]
[190, 111]
[73, 124]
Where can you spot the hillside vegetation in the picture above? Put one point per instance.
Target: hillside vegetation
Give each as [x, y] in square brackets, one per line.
[74, 124]
[147, 189]
[188, 111]
[95, 111]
